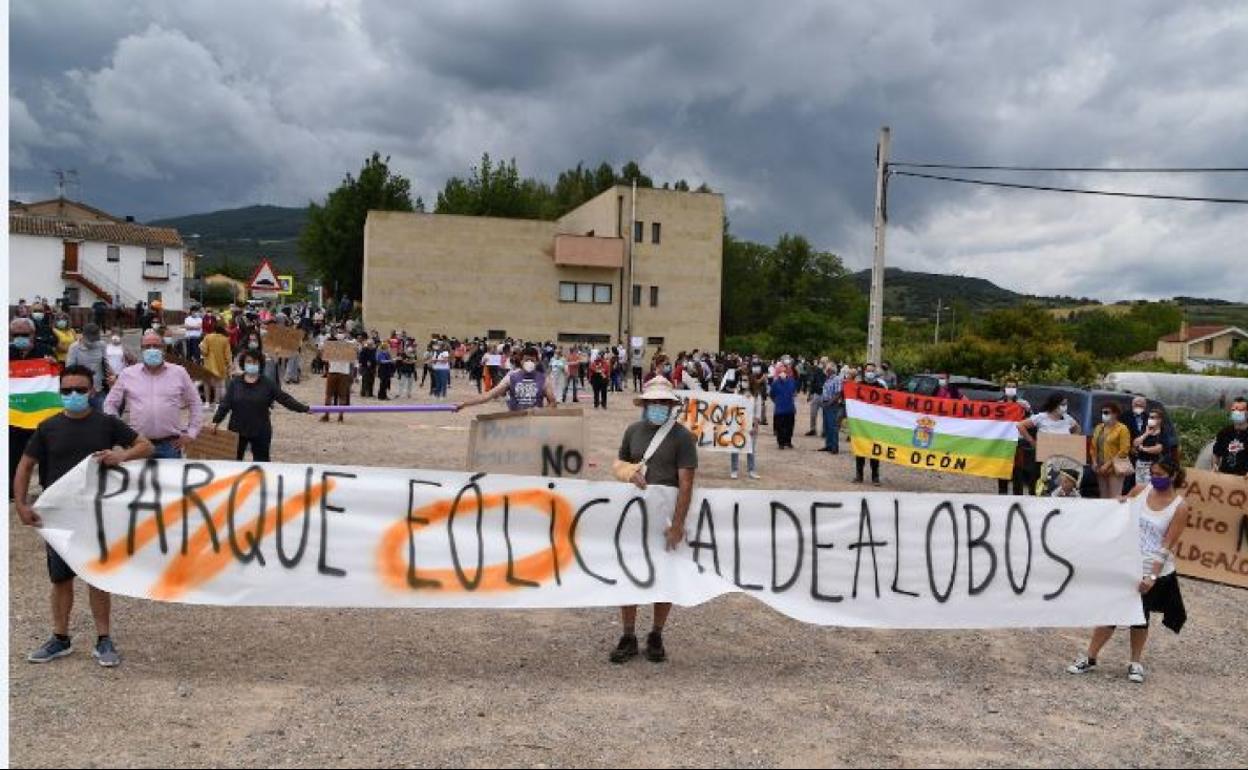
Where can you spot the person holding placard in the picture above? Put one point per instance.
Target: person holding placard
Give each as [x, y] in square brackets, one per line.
[339, 375]
[1052, 418]
[656, 450]
[248, 400]
[526, 388]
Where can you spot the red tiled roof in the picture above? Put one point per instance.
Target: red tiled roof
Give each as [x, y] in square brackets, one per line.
[119, 232]
[1195, 333]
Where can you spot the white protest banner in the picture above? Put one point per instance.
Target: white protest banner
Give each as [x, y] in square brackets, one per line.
[278, 534]
[538, 442]
[720, 422]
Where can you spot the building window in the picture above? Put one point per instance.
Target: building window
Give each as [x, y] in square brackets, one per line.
[655, 229]
[114, 253]
[639, 232]
[1208, 347]
[155, 255]
[588, 339]
[496, 334]
[654, 341]
[636, 295]
[654, 296]
[585, 293]
[73, 296]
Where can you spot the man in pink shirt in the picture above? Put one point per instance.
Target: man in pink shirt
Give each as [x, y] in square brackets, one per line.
[154, 394]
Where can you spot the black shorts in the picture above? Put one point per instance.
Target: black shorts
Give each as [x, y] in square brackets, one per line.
[1165, 598]
[58, 570]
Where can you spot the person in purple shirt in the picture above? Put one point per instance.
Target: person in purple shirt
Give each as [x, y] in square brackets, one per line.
[154, 393]
[526, 388]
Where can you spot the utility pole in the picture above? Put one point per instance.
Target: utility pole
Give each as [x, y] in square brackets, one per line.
[875, 326]
[936, 337]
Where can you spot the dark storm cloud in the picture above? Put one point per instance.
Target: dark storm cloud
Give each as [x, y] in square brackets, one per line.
[168, 108]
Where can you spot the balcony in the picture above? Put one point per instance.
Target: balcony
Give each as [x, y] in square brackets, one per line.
[589, 251]
[156, 270]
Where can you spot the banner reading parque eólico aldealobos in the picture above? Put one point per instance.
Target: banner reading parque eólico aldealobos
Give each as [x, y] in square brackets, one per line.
[229, 533]
[976, 438]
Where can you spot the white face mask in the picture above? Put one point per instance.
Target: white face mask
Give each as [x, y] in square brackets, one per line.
[1063, 409]
[1011, 392]
[1138, 410]
[1153, 423]
[529, 366]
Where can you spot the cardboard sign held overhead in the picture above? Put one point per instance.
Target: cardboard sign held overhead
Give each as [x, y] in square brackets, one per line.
[265, 278]
[1073, 446]
[283, 340]
[338, 351]
[221, 445]
[547, 442]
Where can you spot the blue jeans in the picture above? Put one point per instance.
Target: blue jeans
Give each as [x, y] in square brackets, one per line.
[832, 428]
[165, 450]
[736, 461]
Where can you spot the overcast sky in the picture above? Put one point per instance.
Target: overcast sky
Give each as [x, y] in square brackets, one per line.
[168, 108]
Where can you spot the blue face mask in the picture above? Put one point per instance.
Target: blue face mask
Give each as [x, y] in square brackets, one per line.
[153, 356]
[21, 343]
[75, 403]
[1239, 418]
[657, 414]
[1161, 483]
[252, 369]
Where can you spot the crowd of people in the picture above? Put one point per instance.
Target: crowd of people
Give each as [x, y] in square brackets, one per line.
[1133, 455]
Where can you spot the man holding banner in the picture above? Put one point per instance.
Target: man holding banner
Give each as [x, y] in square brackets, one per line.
[656, 450]
[58, 445]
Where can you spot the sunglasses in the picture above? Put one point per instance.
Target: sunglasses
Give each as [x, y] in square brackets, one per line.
[80, 390]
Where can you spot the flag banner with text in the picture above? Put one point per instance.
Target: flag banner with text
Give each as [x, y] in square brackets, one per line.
[975, 438]
[229, 533]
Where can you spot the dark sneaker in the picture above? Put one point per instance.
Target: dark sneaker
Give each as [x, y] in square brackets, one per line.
[106, 653]
[51, 650]
[1082, 665]
[654, 648]
[626, 650]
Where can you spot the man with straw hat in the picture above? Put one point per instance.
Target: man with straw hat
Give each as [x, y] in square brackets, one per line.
[656, 450]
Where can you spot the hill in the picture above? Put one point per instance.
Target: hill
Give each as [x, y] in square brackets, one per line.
[241, 237]
[914, 295]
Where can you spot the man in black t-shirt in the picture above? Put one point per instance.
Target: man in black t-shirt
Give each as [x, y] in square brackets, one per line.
[672, 464]
[58, 445]
[1230, 448]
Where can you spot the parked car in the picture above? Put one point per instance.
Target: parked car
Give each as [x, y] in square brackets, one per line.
[1085, 406]
[968, 387]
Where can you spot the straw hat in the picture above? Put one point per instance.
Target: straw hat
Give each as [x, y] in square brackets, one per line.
[657, 389]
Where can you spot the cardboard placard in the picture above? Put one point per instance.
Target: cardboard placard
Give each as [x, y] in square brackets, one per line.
[339, 351]
[546, 442]
[283, 341]
[1073, 446]
[197, 372]
[1214, 544]
[222, 445]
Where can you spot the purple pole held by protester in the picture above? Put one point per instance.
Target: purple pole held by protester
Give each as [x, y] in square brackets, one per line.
[318, 409]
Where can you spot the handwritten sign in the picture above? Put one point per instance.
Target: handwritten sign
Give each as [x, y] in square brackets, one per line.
[222, 445]
[339, 351]
[537, 442]
[283, 341]
[196, 372]
[1214, 544]
[275, 534]
[1073, 446]
[721, 422]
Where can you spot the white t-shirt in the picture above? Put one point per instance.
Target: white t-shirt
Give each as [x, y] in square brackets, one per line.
[194, 326]
[1046, 424]
[442, 360]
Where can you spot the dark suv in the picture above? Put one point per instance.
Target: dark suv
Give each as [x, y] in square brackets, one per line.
[967, 387]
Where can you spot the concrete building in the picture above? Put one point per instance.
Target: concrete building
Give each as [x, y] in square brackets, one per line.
[62, 249]
[609, 270]
[1201, 346]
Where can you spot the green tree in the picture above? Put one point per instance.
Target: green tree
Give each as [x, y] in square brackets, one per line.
[332, 242]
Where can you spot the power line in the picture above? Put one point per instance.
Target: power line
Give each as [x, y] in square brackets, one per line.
[1080, 191]
[1072, 169]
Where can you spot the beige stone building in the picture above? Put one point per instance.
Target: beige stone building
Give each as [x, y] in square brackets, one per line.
[607, 271]
[1200, 343]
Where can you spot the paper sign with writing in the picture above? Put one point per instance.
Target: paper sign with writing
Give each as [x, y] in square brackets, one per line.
[277, 534]
[536, 442]
[1214, 544]
[1073, 446]
[283, 340]
[721, 422]
[339, 351]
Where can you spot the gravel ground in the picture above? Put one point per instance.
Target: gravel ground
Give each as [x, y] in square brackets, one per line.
[205, 686]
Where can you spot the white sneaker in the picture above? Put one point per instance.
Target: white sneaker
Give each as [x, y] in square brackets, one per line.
[1082, 665]
[734, 475]
[1135, 672]
[755, 476]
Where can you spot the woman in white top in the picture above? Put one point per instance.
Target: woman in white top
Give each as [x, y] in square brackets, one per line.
[1052, 418]
[559, 373]
[1162, 515]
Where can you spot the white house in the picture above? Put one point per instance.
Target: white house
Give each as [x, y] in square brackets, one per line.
[65, 249]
